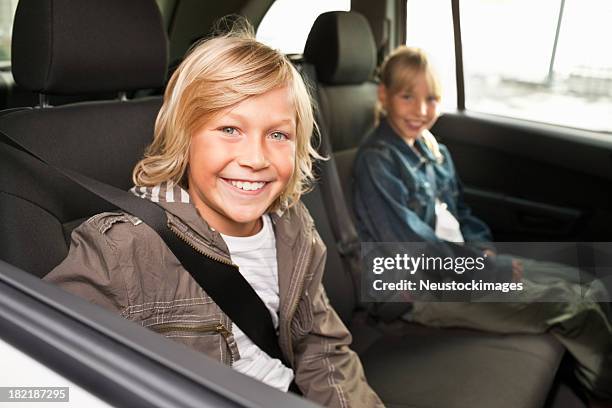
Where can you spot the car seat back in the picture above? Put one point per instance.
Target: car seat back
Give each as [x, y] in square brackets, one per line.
[347, 92]
[62, 47]
[339, 76]
[337, 279]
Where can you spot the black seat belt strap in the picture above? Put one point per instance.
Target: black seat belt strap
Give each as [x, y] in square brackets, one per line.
[222, 282]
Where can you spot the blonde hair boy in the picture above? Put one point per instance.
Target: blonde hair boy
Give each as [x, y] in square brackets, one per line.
[214, 76]
[232, 140]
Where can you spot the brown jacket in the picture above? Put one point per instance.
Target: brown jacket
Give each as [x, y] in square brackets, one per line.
[120, 263]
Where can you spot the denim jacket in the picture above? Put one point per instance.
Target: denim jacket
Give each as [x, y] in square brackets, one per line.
[395, 192]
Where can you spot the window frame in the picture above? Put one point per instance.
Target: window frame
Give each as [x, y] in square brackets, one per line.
[101, 351]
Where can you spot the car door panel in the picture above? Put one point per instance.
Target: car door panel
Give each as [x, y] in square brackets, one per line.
[532, 182]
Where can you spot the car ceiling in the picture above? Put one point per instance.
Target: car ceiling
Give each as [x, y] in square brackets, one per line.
[189, 20]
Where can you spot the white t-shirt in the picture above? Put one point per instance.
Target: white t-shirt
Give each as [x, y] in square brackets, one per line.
[256, 258]
[447, 226]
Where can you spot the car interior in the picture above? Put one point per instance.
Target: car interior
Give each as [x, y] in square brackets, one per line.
[88, 83]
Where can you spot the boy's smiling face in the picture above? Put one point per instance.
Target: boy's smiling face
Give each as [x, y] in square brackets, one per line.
[241, 160]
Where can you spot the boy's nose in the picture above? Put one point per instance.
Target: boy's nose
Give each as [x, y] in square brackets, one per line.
[253, 155]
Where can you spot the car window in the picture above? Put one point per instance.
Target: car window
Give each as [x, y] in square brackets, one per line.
[430, 27]
[7, 11]
[544, 61]
[23, 378]
[287, 23]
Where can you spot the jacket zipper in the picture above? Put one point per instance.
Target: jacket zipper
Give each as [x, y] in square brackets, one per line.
[204, 328]
[197, 249]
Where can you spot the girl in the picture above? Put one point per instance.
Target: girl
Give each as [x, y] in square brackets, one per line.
[407, 190]
[229, 161]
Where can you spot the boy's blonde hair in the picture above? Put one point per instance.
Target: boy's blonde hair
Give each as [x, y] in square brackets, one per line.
[398, 72]
[217, 74]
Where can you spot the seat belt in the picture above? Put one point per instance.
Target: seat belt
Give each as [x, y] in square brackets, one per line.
[222, 282]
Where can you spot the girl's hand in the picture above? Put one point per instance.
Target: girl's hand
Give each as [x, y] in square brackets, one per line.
[517, 270]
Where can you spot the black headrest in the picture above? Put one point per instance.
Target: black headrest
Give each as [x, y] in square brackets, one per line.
[88, 46]
[341, 46]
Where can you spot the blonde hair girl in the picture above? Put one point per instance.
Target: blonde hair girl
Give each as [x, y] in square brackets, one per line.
[398, 73]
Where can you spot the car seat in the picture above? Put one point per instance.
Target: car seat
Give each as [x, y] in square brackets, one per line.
[341, 48]
[63, 47]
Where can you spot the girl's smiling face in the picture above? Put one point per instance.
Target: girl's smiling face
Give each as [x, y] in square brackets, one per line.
[410, 111]
[241, 160]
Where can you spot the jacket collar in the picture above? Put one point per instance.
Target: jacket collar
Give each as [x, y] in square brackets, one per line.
[175, 200]
[388, 135]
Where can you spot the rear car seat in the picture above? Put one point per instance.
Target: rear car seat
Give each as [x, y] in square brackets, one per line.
[407, 364]
[63, 47]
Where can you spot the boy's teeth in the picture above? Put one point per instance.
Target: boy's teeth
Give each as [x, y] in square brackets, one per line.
[247, 185]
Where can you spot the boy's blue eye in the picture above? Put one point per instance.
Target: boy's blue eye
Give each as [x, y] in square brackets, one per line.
[278, 136]
[406, 96]
[229, 130]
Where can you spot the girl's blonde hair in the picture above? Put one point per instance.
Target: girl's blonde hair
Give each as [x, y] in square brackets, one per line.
[398, 72]
[217, 74]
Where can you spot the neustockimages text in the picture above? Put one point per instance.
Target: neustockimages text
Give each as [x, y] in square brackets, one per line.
[406, 264]
[427, 285]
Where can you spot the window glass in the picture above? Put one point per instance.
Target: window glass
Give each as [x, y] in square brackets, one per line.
[7, 12]
[511, 68]
[430, 27]
[20, 370]
[287, 23]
